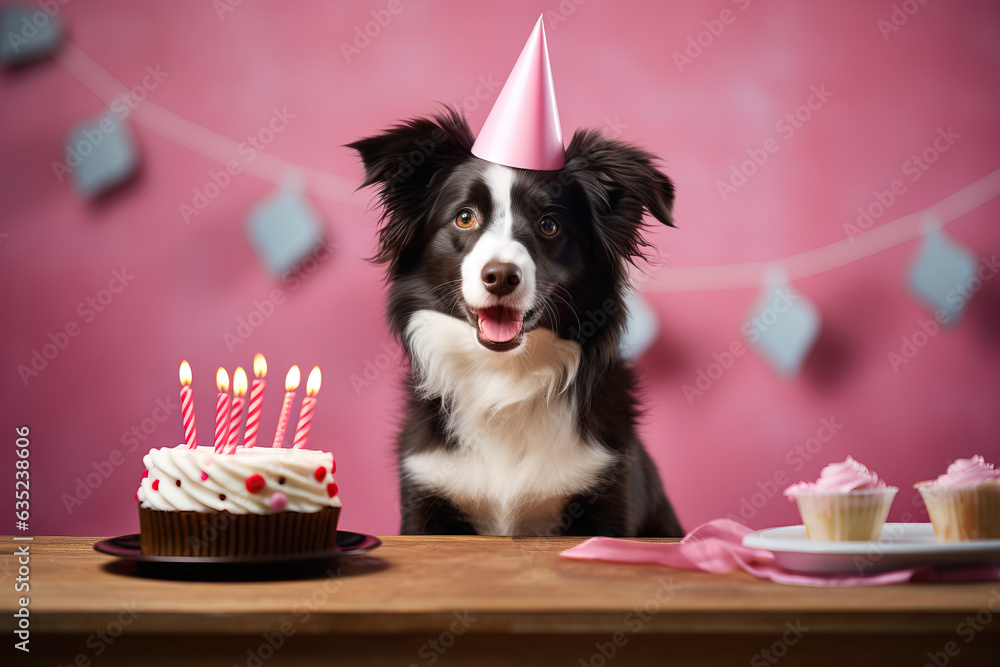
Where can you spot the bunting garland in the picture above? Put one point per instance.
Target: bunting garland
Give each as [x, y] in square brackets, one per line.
[285, 228]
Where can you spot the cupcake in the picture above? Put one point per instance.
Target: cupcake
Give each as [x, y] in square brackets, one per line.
[847, 503]
[964, 502]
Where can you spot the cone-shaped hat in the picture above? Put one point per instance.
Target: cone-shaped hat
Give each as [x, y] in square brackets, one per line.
[523, 128]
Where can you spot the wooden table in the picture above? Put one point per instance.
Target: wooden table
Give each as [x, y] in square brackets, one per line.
[481, 601]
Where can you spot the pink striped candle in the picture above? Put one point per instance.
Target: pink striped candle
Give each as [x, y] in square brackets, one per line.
[291, 384]
[187, 406]
[308, 405]
[256, 399]
[221, 410]
[236, 414]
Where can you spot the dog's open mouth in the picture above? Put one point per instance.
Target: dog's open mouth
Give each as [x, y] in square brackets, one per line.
[499, 324]
[499, 327]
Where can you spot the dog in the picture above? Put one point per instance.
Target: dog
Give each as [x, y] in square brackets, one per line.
[521, 420]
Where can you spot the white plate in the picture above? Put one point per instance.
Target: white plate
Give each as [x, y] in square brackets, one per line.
[903, 545]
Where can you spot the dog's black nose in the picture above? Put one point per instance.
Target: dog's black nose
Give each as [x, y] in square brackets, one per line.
[501, 278]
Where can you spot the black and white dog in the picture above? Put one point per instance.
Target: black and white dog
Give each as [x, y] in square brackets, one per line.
[518, 423]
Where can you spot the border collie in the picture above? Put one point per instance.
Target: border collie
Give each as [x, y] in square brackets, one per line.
[518, 422]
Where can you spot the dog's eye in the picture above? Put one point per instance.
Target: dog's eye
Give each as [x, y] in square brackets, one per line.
[548, 226]
[465, 219]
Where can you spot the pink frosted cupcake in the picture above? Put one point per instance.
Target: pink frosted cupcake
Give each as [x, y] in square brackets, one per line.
[964, 502]
[847, 503]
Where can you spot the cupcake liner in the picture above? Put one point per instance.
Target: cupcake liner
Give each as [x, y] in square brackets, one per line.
[186, 533]
[963, 513]
[849, 516]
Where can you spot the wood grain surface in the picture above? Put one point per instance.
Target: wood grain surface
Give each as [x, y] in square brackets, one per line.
[482, 587]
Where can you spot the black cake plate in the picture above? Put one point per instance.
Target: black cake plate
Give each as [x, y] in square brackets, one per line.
[348, 544]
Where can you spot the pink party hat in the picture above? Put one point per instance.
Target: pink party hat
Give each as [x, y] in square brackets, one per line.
[523, 129]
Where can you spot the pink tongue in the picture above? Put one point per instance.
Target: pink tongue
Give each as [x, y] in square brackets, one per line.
[499, 324]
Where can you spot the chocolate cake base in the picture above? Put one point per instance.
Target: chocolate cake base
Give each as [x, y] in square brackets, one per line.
[166, 533]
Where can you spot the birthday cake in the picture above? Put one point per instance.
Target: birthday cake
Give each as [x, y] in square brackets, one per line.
[253, 501]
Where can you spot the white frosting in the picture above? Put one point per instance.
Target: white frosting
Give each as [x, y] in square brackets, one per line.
[287, 471]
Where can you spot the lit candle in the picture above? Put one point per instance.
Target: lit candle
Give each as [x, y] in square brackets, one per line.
[236, 414]
[221, 410]
[187, 406]
[308, 405]
[291, 384]
[256, 399]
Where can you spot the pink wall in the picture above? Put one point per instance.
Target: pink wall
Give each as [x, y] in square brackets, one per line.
[610, 61]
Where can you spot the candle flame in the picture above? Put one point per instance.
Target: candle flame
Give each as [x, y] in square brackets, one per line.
[292, 379]
[240, 382]
[185, 373]
[259, 365]
[314, 381]
[222, 380]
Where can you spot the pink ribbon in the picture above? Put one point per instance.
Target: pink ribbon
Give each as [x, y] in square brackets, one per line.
[717, 546]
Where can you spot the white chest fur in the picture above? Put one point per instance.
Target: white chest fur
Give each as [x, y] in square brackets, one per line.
[520, 453]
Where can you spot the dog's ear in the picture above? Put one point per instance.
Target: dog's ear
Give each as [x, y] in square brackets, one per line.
[403, 162]
[621, 182]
